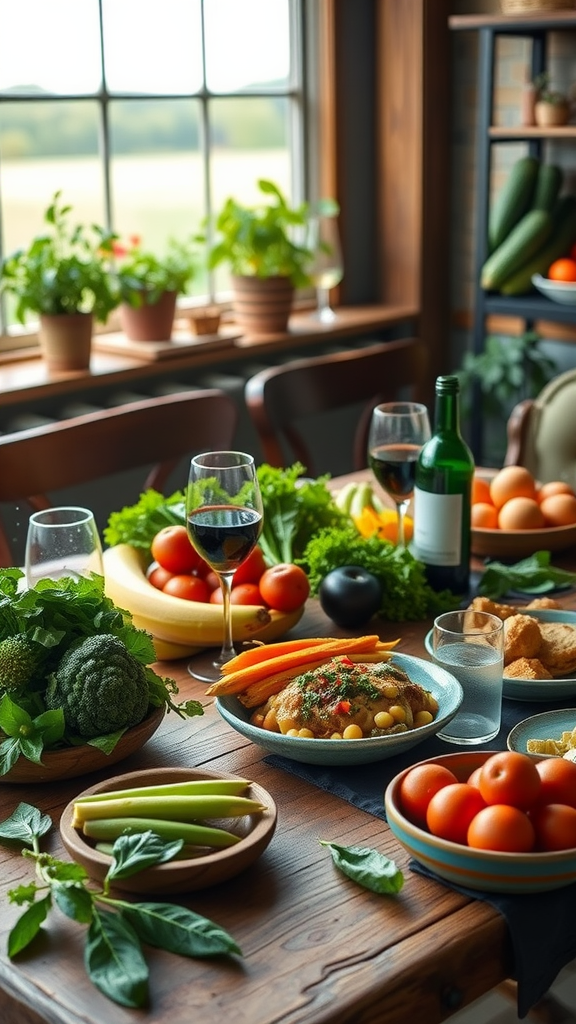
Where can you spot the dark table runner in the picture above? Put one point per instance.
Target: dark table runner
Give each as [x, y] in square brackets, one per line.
[530, 918]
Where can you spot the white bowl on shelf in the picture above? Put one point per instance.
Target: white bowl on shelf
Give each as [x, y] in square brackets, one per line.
[559, 291]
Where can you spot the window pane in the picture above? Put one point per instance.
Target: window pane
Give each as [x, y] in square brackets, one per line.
[247, 44]
[44, 148]
[52, 46]
[156, 170]
[153, 48]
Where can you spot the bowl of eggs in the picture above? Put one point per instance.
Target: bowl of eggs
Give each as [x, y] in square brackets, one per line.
[512, 516]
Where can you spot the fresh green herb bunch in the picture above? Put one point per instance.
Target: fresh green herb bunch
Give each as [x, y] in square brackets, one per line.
[259, 241]
[63, 271]
[113, 955]
[142, 276]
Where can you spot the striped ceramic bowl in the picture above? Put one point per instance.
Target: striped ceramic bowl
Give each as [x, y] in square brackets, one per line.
[482, 870]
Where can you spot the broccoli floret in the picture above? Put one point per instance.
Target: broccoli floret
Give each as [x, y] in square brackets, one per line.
[18, 662]
[100, 687]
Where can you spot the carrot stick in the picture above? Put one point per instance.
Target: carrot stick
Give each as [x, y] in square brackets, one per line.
[259, 693]
[264, 652]
[236, 682]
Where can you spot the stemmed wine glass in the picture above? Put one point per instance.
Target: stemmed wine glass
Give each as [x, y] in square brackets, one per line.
[326, 269]
[61, 542]
[397, 432]
[224, 520]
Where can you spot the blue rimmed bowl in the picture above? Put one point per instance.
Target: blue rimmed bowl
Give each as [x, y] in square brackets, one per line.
[483, 870]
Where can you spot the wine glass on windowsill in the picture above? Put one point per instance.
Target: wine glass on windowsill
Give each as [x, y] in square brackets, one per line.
[327, 267]
[224, 521]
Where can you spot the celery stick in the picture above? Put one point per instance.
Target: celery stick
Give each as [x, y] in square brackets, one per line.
[195, 835]
[176, 808]
[231, 787]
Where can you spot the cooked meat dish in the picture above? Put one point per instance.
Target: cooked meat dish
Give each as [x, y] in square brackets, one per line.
[344, 699]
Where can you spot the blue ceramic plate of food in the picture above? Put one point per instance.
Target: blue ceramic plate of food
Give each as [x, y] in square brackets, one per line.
[546, 729]
[537, 689]
[440, 684]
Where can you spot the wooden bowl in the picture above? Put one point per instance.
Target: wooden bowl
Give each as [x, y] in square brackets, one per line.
[515, 544]
[175, 876]
[73, 761]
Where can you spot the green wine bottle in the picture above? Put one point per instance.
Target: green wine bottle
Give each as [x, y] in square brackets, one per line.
[442, 496]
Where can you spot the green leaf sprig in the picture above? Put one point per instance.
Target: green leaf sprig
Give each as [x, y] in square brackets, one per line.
[366, 866]
[533, 575]
[113, 954]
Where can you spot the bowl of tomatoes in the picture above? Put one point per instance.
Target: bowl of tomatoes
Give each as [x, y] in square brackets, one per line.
[563, 292]
[494, 822]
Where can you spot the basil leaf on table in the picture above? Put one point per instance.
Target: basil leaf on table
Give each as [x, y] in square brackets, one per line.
[367, 867]
[533, 575]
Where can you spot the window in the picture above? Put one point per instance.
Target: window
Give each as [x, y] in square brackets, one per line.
[145, 114]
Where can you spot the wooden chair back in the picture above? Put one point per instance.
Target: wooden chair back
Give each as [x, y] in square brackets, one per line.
[154, 433]
[541, 432]
[279, 397]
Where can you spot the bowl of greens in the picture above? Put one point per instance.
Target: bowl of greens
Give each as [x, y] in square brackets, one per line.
[77, 687]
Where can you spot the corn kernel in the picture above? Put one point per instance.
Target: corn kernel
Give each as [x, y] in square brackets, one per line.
[306, 733]
[398, 712]
[352, 732]
[422, 718]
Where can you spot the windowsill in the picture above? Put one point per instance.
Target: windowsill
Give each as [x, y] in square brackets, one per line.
[23, 374]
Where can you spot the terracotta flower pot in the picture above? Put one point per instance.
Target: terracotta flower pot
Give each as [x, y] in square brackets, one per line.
[547, 114]
[66, 340]
[262, 305]
[149, 323]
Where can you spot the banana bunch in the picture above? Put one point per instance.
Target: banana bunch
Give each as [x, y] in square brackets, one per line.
[180, 627]
[354, 497]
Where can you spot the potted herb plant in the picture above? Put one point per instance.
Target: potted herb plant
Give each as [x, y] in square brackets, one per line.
[148, 286]
[63, 278]
[260, 245]
[552, 107]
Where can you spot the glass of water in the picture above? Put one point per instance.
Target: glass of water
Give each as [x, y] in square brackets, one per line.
[62, 541]
[470, 645]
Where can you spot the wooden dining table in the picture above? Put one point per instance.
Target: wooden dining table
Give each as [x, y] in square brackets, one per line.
[316, 947]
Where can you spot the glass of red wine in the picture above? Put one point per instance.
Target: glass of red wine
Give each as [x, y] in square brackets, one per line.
[397, 432]
[224, 521]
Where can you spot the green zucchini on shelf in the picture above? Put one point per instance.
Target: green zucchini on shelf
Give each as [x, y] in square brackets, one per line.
[562, 238]
[513, 200]
[526, 237]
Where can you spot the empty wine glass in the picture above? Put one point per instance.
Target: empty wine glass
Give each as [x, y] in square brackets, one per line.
[224, 519]
[62, 541]
[326, 269]
[397, 432]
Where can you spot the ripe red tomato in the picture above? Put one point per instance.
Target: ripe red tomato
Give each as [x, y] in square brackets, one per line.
[246, 593]
[503, 828]
[284, 587]
[251, 569]
[172, 549]
[509, 777]
[558, 778]
[159, 576]
[188, 587]
[555, 826]
[451, 810]
[212, 580]
[419, 786]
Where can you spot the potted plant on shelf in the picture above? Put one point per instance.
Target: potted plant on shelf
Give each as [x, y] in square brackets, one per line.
[148, 286]
[552, 107]
[260, 245]
[62, 277]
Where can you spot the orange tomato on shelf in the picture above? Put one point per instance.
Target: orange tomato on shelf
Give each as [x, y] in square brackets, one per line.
[563, 269]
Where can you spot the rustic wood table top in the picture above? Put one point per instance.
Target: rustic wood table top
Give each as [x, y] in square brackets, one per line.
[317, 948]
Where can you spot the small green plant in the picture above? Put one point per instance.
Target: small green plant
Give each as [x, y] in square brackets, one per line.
[142, 277]
[544, 91]
[260, 241]
[507, 371]
[63, 271]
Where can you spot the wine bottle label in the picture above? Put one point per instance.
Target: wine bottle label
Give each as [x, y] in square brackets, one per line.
[437, 536]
